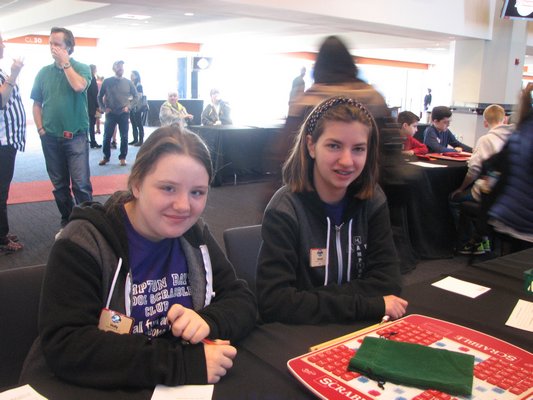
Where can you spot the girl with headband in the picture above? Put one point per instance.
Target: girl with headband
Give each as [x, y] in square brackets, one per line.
[328, 253]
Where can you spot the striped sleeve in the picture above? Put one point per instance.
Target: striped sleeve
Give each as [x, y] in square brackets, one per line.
[13, 119]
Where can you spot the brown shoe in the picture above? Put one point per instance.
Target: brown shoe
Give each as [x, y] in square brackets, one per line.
[103, 162]
[122, 162]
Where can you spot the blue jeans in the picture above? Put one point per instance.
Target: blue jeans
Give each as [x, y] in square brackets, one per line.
[137, 128]
[111, 122]
[464, 227]
[68, 160]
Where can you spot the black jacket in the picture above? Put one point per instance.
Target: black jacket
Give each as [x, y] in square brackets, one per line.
[78, 277]
[362, 262]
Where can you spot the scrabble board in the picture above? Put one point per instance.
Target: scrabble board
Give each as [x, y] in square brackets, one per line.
[501, 370]
[463, 156]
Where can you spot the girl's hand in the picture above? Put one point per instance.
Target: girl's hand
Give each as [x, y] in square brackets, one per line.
[395, 307]
[218, 359]
[187, 324]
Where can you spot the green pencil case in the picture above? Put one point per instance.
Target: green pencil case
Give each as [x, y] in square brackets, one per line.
[414, 365]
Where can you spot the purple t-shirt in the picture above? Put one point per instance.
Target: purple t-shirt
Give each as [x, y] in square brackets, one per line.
[335, 211]
[160, 279]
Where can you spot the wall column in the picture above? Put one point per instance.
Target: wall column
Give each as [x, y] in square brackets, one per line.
[485, 72]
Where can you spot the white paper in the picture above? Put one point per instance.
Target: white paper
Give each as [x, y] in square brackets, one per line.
[25, 392]
[427, 165]
[184, 392]
[462, 287]
[522, 316]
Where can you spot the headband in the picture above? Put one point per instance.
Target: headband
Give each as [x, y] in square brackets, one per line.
[320, 110]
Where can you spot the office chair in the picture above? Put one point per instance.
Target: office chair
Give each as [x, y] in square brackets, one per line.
[242, 248]
[20, 292]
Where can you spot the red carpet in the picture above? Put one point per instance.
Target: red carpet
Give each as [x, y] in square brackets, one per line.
[29, 192]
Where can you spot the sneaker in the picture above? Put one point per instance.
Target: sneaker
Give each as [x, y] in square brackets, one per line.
[103, 161]
[134, 142]
[122, 162]
[486, 245]
[472, 248]
[12, 237]
[8, 246]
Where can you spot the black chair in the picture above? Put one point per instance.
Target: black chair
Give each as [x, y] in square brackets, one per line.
[20, 291]
[242, 248]
[397, 198]
[419, 135]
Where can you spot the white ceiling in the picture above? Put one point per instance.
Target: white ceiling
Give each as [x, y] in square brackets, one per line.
[214, 24]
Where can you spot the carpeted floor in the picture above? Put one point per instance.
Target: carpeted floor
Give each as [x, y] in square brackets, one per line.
[29, 192]
[30, 165]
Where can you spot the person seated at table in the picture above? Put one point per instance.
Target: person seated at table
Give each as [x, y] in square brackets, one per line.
[136, 290]
[408, 123]
[472, 241]
[328, 253]
[172, 112]
[437, 136]
[511, 212]
[218, 112]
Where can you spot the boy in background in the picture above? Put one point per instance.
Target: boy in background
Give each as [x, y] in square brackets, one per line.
[437, 136]
[473, 184]
[408, 123]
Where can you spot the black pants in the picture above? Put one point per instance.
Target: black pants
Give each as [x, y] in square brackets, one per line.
[92, 123]
[7, 167]
[137, 127]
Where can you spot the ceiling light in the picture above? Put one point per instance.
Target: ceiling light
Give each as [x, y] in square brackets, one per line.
[135, 17]
[189, 14]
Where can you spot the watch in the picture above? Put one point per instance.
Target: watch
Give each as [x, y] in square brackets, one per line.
[66, 65]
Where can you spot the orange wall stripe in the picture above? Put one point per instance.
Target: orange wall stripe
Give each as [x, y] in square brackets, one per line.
[391, 63]
[178, 46]
[43, 40]
[527, 77]
[307, 55]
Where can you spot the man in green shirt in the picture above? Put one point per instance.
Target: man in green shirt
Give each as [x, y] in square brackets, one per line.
[59, 97]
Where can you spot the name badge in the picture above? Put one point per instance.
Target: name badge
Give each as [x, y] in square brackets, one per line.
[317, 257]
[68, 135]
[112, 321]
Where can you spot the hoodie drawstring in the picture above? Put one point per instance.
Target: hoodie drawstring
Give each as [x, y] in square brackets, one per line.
[327, 252]
[340, 259]
[349, 273]
[113, 283]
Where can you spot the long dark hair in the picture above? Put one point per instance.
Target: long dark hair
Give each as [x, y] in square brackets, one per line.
[137, 78]
[334, 64]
